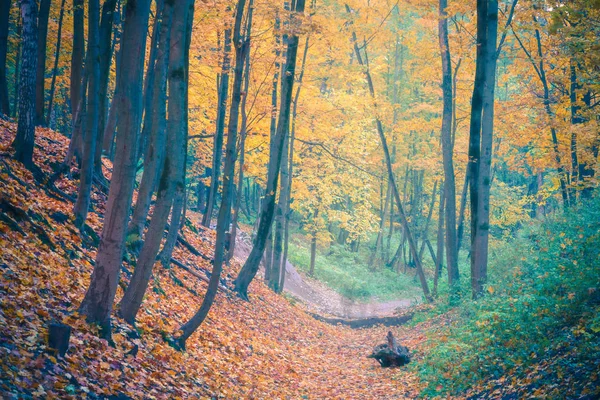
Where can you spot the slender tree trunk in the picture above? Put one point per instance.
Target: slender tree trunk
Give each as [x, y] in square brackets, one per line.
[155, 151]
[313, 246]
[447, 148]
[25, 138]
[480, 140]
[411, 242]
[98, 302]
[18, 66]
[268, 255]
[243, 133]
[439, 264]
[104, 59]
[461, 214]
[250, 268]
[56, 58]
[218, 141]
[87, 166]
[223, 220]
[77, 55]
[169, 179]
[149, 78]
[111, 122]
[44, 13]
[5, 6]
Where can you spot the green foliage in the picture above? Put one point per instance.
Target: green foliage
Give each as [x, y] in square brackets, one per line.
[348, 273]
[542, 301]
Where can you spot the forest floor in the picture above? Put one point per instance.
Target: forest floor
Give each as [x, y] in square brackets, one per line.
[321, 299]
[268, 347]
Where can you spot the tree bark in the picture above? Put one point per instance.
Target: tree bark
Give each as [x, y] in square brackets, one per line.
[411, 242]
[56, 58]
[42, 28]
[155, 151]
[218, 142]
[224, 217]
[24, 141]
[89, 141]
[77, 55]
[4, 19]
[447, 147]
[98, 302]
[170, 176]
[250, 268]
[104, 60]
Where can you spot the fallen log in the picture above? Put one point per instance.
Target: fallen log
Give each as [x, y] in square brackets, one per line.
[391, 354]
[365, 322]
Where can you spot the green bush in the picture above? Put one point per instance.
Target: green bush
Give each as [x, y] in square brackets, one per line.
[542, 298]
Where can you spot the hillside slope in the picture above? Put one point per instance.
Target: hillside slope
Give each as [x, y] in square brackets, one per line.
[258, 349]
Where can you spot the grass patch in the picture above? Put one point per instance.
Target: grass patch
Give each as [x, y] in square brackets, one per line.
[348, 274]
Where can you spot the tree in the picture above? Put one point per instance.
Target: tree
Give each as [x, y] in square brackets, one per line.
[77, 55]
[176, 19]
[56, 59]
[98, 301]
[224, 218]
[42, 28]
[4, 19]
[480, 140]
[248, 271]
[447, 148]
[25, 138]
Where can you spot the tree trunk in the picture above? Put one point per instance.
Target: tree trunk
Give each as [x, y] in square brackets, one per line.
[250, 268]
[56, 58]
[98, 302]
[439, 264]
[313, 246]
[89, 141]
[447, 148]
[170, 176]
[111, 122]
[17, 76]
[243, 133]
[224, 217]
[480, 140]
[42, 28]
[155, 151]
[218, 141]
[77, 55]
[4, 19]
[391, 178]
[104, 59]
[24, 141]
[149, 78]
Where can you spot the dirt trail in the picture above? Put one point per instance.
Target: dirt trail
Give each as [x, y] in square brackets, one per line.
[321, 299]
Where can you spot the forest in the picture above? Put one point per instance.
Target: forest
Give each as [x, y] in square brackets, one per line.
[243, 199]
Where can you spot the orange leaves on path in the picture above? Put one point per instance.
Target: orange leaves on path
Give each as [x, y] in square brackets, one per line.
[266, 348]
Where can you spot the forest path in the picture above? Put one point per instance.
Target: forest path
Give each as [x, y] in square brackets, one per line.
[321, 299]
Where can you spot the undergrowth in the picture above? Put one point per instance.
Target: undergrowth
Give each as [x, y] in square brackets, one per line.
[537, 329]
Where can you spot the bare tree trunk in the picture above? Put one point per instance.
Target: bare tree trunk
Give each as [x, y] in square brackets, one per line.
[155, 154]
[42, 28]
[243, 134]
[24, 141]
[313, 246]
[447, 148]
[89, 143]
[98, 302]
[149, 78]
[480, 140]
[56, 58]
[218, 141]
[18, 61]
[169, 179]
[4, 19]
[439, 264]
[104, 60]
[223, 220]
[250, 268]
[111, 122]
[388, 160]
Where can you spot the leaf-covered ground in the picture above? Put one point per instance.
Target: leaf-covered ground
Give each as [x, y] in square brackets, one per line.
[264, 348]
